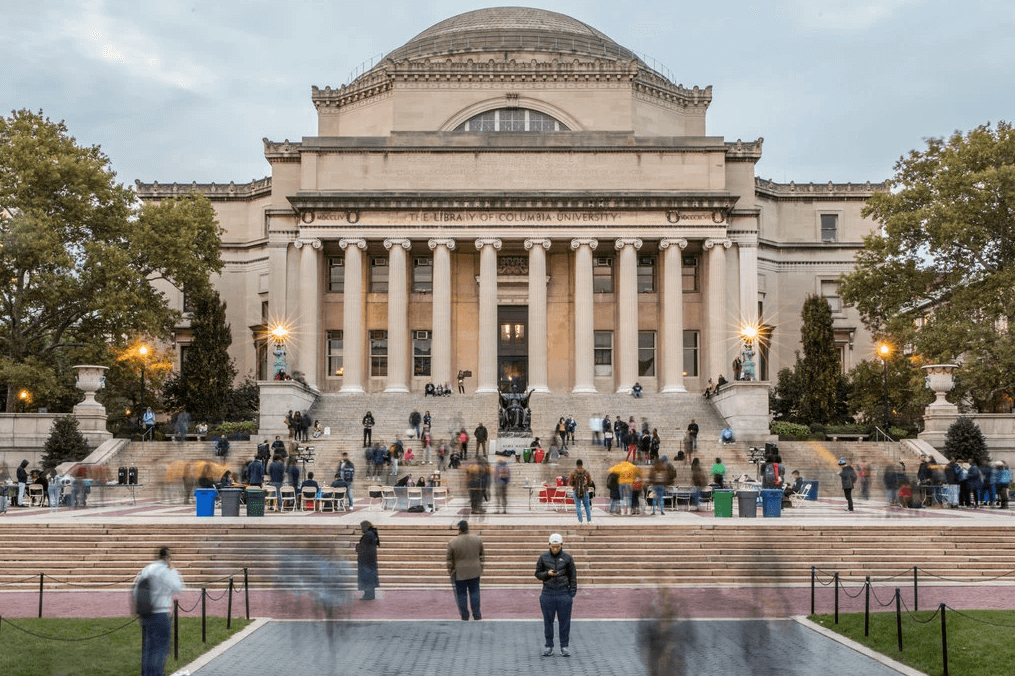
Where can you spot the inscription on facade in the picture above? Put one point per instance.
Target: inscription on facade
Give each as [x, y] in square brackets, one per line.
[512, 217]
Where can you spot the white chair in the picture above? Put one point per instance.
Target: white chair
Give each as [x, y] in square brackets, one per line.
[388, 496]
[799, 499]
[270, 497]
[374, 493]
[326, 499]
[340, 499]
[440, 493]
[35, 494]
[414, 495]
[287, 498]
[307, 497]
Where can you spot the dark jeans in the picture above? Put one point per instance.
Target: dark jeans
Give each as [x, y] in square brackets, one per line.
[559, 604]
[367, 437]
[155, 633]
[849, 497]
[470, 589]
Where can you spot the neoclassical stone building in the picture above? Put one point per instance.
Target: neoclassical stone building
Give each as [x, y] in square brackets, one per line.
[513, 194]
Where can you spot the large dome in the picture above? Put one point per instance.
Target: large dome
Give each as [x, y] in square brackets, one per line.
[511, 28]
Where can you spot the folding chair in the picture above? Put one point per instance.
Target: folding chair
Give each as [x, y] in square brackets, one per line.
[340, 499]
[35, 494]
[799, 499]
[440, 493]
[374, 493]
[388, 496]
[270, 497]
[326, 499]
[414, 495]
[308, 496]
[287, 498]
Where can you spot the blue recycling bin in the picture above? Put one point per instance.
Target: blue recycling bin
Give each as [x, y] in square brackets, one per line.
[204, 499]
[771, 502]
[813, 493]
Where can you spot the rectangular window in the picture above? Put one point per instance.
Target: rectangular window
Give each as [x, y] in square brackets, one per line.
[646, 274]
[830, 291]
[603, 353]
[829, 227]
[421, 353]
[689, 273]
[691, 353]
[378, 275]
[336, 275]
[335, 365]
[646, 353]
[378, 353]
[602, 275]
[512, 334]
[422, 275]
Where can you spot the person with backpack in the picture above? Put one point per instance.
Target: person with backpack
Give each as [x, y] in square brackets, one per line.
[152, 598]
[848, 478]
[502, 477]
[581, 481]
[347, 472]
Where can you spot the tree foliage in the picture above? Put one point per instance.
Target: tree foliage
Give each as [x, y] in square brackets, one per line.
[907, 394]
[204, 386]
[79, 257]
[818, 371]
[965, 441]
[65, 443]
[939, 275]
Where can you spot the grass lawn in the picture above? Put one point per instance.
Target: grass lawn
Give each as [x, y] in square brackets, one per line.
[980, 642]
[118, 653]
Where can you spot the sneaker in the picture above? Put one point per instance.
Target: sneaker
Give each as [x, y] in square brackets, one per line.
[564, 652]
[547, 652]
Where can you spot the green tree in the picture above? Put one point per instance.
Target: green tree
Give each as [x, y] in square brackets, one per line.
[205, 384]
[65, 443]
[818, 371]
[939, 275]
[80, 259]
[784, 400]
[965, 441]
[907, 394]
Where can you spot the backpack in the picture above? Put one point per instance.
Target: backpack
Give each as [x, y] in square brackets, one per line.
[770, 474]
[613, 481]
[143, 592]
[581, 484]
[348, 472]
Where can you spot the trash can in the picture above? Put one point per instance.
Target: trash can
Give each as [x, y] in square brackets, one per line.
[748, 503]
[230, 501]
[771, 502]
[204, 499]
[723, 503]
[255, 502]
[813, 493]
[527, 455]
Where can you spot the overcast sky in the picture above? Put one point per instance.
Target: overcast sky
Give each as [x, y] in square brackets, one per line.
[185, 91]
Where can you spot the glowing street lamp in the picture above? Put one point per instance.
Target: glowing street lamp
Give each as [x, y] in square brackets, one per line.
[749, 333]
[25, 397]
[279, 335]
[885, 351]
[143, 351]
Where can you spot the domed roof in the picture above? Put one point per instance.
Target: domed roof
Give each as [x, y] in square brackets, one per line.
[511, 28]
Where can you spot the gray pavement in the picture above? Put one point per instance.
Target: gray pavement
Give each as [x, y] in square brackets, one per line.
[494, 648]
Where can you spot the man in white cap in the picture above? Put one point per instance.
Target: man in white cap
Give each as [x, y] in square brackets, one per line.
[560, 584]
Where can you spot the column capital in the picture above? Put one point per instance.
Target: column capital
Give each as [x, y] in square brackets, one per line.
[402, 242]
[313, 242]
[441, 241]
[747, 245]
[678, 242]
[621, 242]
[711, 242]
[578, 242]
[356, 242]
[537, 241]
[488, 241]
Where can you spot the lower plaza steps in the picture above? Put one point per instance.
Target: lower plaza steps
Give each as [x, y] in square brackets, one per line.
[761, 553]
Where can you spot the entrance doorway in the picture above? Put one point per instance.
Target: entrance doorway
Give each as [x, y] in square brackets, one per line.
[512, 348]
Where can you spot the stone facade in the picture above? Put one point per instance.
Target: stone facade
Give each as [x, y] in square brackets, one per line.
[515, 195]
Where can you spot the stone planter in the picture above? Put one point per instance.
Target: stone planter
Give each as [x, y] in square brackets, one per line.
[90, 380]
[939, 379]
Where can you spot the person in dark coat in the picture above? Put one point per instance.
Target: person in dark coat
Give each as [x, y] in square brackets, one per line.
[366, 560]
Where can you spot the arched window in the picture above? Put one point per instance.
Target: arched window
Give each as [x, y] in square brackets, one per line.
[511, 119]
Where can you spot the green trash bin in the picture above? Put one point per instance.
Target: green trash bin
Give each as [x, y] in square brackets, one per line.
[771, 502]
[230, 501]
[204, 499]
[527, 455]
[722, 501]
[255, 502]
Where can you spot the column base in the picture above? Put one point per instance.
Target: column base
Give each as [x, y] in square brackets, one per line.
[397, 389]
[540, 388]
[674, 389]
[352, 389]
[486, 389]
[584, 389]
[625, 390]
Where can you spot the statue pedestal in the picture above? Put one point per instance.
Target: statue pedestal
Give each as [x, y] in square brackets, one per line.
[91, 414]
[939, 414]
[744, 404]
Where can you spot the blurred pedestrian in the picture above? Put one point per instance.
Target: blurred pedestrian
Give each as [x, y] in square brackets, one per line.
[848, 477]
[366, 560]
[560, 585]
[465, 559]
[152, 596]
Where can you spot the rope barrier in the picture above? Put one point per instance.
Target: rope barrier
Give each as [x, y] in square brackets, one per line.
[952, 579]
[913, 617]
[876, 599]
[32, 577]
[216, 598]
[192, 608]
[976, 619]
[852, 596]
[68, 640]
[90, 585]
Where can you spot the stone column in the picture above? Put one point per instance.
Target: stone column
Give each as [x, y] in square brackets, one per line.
[488, 248]
[441, 339]
[627, 313]
[538, 371]
[310, 307]
[716, 309]
[398, 315]
[748, 255]
[673, 315]
[352, 316]
[584, 340]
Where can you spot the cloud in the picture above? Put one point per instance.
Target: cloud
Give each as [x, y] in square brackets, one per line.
[849, 16]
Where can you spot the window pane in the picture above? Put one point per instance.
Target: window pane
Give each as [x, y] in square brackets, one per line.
[829, 227]
[335, 363]
[512, 120]
[421, 356]
[602, 278]
[646, 353]
[689, 273]
[336, 275]
[691, 353]
[379, 276]
[422, 275]
[603, 353]
[378, 353]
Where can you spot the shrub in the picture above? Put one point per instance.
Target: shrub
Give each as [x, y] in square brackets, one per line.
[65, 443]
[965, 441]
[817, 429]
[791, 430]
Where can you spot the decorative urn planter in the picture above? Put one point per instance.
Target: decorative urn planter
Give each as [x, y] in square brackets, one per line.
[939, 379]
[90, 380]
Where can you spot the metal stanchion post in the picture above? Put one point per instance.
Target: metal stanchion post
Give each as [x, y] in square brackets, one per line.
[867, 607]
[898, 616]
[176, 630]
[246, 590]
[944, 640]
[812, 589]
[41, 575]
[836, 583]
[916, 589]
[229, 606]
[204, 614]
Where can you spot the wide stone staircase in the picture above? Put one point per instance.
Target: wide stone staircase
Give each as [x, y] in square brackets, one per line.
[281, 556]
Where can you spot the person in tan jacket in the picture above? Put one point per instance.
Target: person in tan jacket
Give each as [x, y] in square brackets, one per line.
[465, 566]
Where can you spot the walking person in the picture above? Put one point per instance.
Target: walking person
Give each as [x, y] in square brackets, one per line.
[848, 477]
[366, 560]
[347, 471]
[416, 424]
[580, 481]
[692, 433]
[560, 584]
[152, 597]
[502, 477]
[465, 561]
[368, 426]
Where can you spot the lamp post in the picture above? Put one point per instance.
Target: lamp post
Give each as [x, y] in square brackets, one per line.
[279, 335]
[749, 333]
[884, 351]
[143, 351]
[24, 396]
